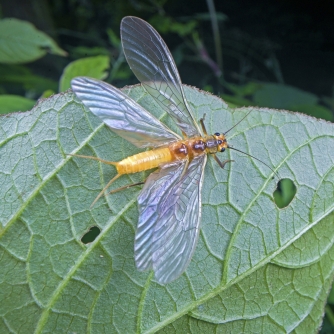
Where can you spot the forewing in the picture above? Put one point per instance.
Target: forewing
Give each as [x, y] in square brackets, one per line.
[122, 114]
[156, 188]
[170, 214]
[152, 63]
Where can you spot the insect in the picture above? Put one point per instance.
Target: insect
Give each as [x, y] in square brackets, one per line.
[170, 201]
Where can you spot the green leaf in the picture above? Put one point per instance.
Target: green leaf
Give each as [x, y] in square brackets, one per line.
[291, 98]
[94, 67]
[19, 75]
[284, 193]
[282, 96]
[85, 51]
[10, 103]
[331, 296]
[167, 24]
[244, 90]
[256, 268]
[236, 101]
[21, 42]
[113, 38]
[314, 110]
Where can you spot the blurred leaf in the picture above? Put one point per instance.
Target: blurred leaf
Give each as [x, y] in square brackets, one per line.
[290, 98]
[314, 110]
[279, 96]
[122, 73]
[207, 17]
[236, 101]
[161, 23]
[329, 101]
[83, 51]
[331, 296]
[35, 83]
[284, 193]
[113, 38]
[328, 324]
[13, 76]
[208, 88]
[21, 42]
[243, 90]
[184, 29]
[11, 69]
[10, 103]
[165, 24]
[178, 54]
[257, 268]
[47, 93]
[94, 67]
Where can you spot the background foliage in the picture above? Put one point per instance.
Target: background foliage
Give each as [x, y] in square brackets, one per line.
[276, 55]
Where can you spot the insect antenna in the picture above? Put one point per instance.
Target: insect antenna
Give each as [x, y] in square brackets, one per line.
[93, 158]
[238, 122]
[235, 149]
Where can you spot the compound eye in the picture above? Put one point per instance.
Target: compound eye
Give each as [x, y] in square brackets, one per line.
[217, 134]
[223, 149]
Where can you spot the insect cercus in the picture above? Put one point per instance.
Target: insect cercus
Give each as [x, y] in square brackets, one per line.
[170, 201]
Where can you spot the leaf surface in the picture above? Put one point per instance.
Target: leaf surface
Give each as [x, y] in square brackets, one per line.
[21, 42]
[256, 268]
[94, 67]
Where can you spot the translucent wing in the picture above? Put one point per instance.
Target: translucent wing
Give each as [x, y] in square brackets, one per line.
[123, 115]
[169, 218]
[152, 63]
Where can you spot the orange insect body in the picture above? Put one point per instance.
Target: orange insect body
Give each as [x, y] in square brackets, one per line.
[143, 161]
[170, 202]
[179, 150]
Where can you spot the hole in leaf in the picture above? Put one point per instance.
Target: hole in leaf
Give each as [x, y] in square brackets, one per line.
[91, 235]
[285, 192]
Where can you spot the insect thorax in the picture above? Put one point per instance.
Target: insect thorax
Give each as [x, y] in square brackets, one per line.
[193, 147]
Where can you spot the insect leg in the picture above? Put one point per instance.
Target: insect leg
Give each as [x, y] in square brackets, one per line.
[203, 125]
[185, 167]
[126, 187]
[105, 188]
[221, 164]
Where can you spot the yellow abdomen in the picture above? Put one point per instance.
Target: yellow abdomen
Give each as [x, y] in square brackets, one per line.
[144, 161]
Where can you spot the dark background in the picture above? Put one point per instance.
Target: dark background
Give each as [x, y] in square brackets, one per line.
[297, 35]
